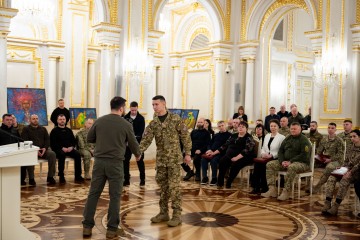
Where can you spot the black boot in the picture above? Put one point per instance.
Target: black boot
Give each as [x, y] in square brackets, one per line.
[189, 175]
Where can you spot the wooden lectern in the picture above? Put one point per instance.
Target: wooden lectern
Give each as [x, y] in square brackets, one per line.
[11, 159]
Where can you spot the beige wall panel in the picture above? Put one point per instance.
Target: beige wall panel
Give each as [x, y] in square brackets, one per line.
[21, 75]
[198, 92]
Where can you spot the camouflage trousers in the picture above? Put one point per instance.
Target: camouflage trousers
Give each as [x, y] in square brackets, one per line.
[86, 159]
[344, 184]
[273, 167]
[331, 166]
[168, 178]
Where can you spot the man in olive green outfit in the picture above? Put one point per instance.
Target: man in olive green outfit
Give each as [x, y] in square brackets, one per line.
[333, 147]
[345, 135]
[314, 135]
[167, 129]
[85, 148]
[293, 156]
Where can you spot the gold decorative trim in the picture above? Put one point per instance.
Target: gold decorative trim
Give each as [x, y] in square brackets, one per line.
[320, 14]
[59, 20]
[36, 60]
[278, 4]
[150, 15]
[290, 34]
[357, 11]
[243, 20]
[143, 23]
[228, 20]
[114, 11]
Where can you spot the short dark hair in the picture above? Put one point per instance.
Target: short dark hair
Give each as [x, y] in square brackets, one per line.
[314, 122]
[134, 104]
[60, 100]
[117, 102]
[6, 115]
[243, 123]
[60, 115]
[275, 121]
[259, 120]
[332, 124]
[347, 120]
[272, 108]
[295, 124]
[159, 97]
[357, 131]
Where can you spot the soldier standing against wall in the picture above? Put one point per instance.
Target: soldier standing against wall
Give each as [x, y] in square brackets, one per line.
[168, 129]
[85, 148]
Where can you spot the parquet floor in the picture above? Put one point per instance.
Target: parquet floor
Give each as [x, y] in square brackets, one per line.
[208, 213]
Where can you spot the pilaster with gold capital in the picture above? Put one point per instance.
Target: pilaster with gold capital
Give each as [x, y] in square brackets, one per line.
[153, 39]
[108, 34]
[355, 30]
[316, 38]
[5, 18]
[92, 55]
[175, 61]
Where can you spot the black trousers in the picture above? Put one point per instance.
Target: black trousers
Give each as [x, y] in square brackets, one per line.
[357, 188]
[140, 164]
[60, 155]
[197, 165]
[258, 179]
[225, 163]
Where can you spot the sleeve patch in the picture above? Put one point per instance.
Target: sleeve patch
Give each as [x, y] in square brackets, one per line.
[306, 148]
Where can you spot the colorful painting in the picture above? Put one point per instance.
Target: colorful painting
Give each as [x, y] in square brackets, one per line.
[188, 115]
[23, 102]
[79, 115]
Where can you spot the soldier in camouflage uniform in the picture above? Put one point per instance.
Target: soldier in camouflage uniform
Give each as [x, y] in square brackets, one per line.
[345, 136]
[293, 156]
[352, 163]
[85, 148]
[333, 147]
[167, 129]
[284, 130]
[314, 135]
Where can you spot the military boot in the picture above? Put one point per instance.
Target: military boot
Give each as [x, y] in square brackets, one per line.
[334, 209]
[175, 220]
[161, 217]
[284, 195]
[189, 175]
[327, 206]
[270, 193]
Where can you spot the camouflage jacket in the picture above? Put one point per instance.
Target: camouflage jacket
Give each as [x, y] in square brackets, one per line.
[352, 160]
[82, 143]
[284, 131]
[333, 148]
[346, 138]
[167, 138]
[315, 137]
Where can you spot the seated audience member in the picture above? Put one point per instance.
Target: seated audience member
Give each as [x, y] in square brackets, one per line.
[293, 156]
[314, 135]
[19, 127]
[282, 113]
[200, 139]
[357, 191]
[295, 116]
[241, 114]
[284, 127]
[239, 152]
[40, 138]
[61, 109]
[345, 135]
[307, 118]
[208, 126]
[62, 142]
[352, 163]
[8, 133]
[236, 123]
[269, 117]
[269, 151]
[259, 134]
[291, 107]
[331, 150]
[230, 125]
[216, 142]
[85, 148]
[257, 122]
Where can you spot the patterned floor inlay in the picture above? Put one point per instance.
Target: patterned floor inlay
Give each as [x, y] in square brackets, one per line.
[208, 213]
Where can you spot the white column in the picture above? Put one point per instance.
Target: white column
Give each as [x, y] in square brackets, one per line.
[5, 17]
[249, 93]
[104, 99]
[177, 87]
[218, 112]
[91, 84]
[3, 74]
[51, 91]
[354, 74]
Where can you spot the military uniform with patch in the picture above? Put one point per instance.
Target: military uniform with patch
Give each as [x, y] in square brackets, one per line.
[296, 150]
[334, 148]
[346, 138]
[167, 136]
[284, 131]
[85, 149]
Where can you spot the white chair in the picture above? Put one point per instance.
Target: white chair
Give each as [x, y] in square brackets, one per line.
[67, 160]
[247, 170]
[41, 161]
[298, 177]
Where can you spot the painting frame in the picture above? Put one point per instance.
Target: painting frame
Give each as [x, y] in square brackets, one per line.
[189, 116]
[23, 102]
[79, 115]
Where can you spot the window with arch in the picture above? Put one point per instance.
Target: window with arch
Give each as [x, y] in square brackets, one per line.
[200, 41]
